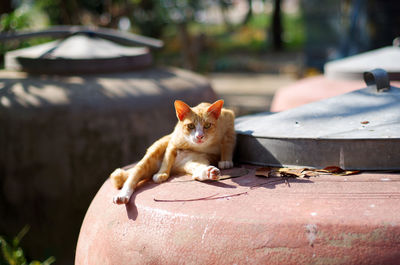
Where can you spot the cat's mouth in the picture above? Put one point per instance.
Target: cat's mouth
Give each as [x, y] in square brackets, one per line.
[199, 141]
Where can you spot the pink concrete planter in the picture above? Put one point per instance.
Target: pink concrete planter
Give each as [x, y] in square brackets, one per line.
[322, 220]
[312, 89]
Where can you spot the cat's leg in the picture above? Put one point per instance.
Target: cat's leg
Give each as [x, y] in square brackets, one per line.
[118, 177]
[196, 164]
[135, 175]
[123, 195]
[224, 164]
[124, 180]
[166, 165]
[227, 147]
[204, 172]
[144, 169]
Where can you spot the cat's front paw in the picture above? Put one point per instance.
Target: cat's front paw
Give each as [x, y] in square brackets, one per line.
[123, 196]
[213, 173]
[118, 199]
[225, 164]
[209, 172]
[160, 177]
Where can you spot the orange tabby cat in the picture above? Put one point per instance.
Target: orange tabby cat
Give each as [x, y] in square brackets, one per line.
[204, 135]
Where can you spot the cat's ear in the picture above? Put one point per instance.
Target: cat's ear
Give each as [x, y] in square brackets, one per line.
[215, 108]
[182, 109]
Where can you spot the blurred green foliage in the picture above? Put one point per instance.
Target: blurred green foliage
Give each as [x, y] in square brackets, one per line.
[240, 49]
[13, 254]
[189, 41]
[14, 21]
[24, 17]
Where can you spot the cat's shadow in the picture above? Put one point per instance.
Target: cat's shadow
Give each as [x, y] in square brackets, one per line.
[270, 182]
[219, 184]
[131, 208]
[248, 179]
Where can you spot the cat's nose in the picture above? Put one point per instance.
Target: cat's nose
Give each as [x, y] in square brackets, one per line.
[200, 136]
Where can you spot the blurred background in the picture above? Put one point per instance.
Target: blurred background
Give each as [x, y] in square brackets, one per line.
[247, 49]
[224, 35]
[292, 38]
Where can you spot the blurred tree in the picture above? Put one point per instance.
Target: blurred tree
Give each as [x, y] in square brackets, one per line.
[181, 13]
[277, 26]
[104, 13]
[21, 17]
[61, 12]
[150, 16]
[14, 21]
[249, 13]
[6, 7]
[224, 7]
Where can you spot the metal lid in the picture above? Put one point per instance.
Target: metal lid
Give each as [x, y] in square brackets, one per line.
[357, 130]
[353, 67]
[81, 51]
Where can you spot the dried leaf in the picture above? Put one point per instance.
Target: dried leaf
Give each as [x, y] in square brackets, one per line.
[274, 174]
[263, 172]
[349, 172]
[364, 122]
[309, 174]
[284, 172]
[271, 172]
[295, 172]
[331, 169]
[338, 171]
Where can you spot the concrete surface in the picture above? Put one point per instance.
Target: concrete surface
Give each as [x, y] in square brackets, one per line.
[249, 220]
[61, 136]
[312, 89]
[321, 220]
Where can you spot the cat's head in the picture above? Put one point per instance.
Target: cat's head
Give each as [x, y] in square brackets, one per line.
[198, 124]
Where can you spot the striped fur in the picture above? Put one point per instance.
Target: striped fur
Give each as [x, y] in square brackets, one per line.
[203, 138]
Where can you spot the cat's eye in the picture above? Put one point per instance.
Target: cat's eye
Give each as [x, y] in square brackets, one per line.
[191, 126]
[207, 125]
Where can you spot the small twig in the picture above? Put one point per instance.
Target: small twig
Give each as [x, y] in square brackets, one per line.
[228, 196]
[266, 183]
[212, 197]
[185, 200]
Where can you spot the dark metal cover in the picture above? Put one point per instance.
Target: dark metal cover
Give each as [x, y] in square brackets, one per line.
[353, 67]
[357, 130]
[122, 38]
[80, 51]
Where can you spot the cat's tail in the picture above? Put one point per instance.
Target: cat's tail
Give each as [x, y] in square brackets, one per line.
[145, 167]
